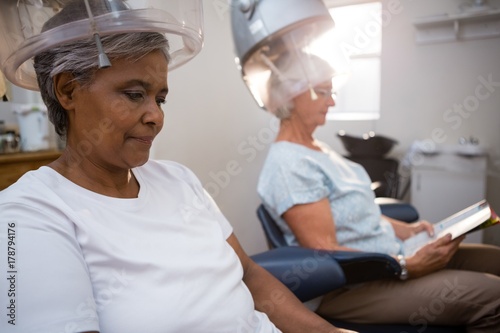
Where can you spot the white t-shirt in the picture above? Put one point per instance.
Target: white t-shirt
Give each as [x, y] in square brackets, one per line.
[83, 261]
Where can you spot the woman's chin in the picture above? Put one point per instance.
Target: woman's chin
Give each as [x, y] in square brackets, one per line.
[138, 159]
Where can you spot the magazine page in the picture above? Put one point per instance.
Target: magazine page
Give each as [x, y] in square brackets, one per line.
[494, 219]
[456, 225]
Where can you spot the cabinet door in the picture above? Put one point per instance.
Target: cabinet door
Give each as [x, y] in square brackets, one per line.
[13, 166]
[438, 194]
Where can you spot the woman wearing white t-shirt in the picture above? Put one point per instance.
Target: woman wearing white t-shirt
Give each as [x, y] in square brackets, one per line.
[107, 240]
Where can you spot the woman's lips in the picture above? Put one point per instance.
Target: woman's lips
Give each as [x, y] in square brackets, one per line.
[144, 139]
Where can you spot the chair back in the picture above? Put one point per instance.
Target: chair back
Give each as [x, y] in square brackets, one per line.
[273, 233]
[382, 170]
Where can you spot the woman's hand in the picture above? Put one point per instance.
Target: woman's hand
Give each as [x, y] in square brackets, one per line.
[405, 230]
[416, 227]
[432, 257]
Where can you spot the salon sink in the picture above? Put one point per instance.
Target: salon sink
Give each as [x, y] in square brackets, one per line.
[367, 145]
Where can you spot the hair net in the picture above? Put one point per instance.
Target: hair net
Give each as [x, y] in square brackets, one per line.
[295, 73]
[28, 27]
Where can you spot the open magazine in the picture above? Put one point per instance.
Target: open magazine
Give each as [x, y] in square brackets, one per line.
[478, 216]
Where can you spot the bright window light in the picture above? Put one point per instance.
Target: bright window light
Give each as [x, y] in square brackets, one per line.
[358, 33]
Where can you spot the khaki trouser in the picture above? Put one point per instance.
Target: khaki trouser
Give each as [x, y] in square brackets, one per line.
[461, 294]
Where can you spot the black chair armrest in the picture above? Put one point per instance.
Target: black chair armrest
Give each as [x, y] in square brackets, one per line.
[307, 273]
[361, 267]
[311, 273]
[397, 209]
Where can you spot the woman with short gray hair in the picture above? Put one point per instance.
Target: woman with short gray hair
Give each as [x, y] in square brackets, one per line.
[324, 201]
[80, 58]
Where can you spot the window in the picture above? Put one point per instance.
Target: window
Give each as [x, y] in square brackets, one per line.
[358, 33]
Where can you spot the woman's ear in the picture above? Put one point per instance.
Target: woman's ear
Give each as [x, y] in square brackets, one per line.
[64, 86]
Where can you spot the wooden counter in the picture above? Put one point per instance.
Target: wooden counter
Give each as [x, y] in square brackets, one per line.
[13, 166]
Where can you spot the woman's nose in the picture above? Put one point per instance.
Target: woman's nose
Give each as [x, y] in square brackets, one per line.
[331, 100]
[154, 114]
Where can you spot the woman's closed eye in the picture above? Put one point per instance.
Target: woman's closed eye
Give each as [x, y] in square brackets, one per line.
[161, 100]
[324, 92]
[134, 96]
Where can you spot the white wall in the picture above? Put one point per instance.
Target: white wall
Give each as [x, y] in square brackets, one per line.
[210, 113]
[421, 83]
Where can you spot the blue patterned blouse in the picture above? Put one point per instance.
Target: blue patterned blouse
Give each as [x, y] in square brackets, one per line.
[294, 174]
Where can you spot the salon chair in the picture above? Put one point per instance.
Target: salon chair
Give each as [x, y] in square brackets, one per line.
[383, 172]
[389, 206]
[311, 273]
[370, 151]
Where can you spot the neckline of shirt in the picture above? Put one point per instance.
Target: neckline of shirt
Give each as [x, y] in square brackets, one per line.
[325, 150]
[125, 203]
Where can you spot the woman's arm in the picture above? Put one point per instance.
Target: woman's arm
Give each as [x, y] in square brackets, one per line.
[432, 257]
[53, 276]
[277, 301]
[313, 226]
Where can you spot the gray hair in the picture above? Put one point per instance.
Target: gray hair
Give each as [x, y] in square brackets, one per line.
[293, 74]
[80, 58]
[284, 111]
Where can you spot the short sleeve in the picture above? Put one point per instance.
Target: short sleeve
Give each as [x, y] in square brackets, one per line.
[225, 225]
[48, 287]
[294, 181]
